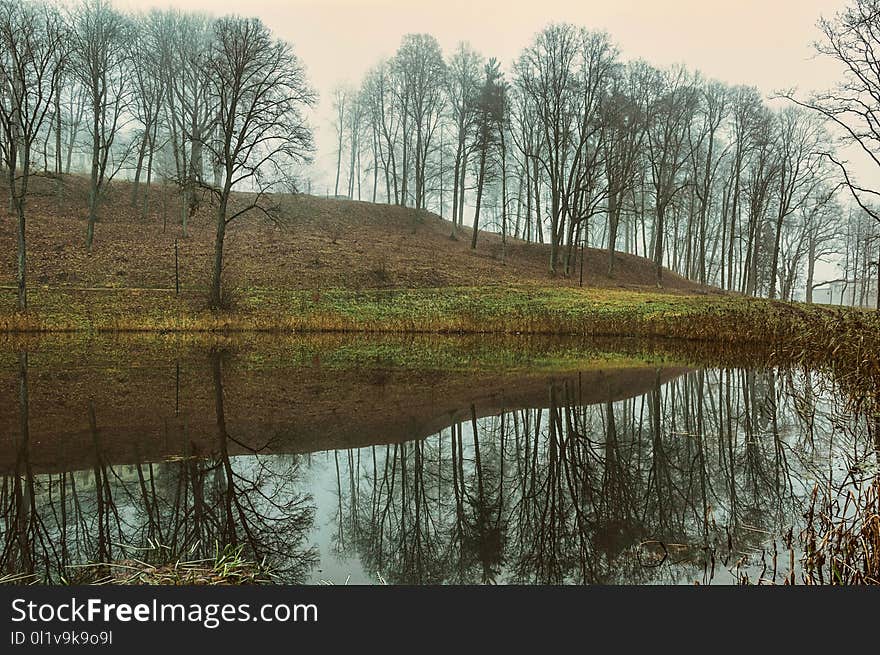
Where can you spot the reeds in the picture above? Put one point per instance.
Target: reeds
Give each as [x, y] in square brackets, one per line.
[842, 537]
[156, 566]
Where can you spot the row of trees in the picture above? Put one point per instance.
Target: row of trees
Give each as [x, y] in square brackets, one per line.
[576, 146]
[570, 146]
[213, 104]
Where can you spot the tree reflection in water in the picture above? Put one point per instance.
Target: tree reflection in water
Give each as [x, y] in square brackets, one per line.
[52, 523]
[698, 480]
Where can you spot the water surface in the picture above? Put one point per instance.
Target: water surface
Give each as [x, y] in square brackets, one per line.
[370, 462]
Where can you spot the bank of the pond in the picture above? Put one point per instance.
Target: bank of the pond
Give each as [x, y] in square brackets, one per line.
[810, 331]
[484, 309]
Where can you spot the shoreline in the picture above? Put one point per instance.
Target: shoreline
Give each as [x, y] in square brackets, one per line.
[501, 309]
[845, 340]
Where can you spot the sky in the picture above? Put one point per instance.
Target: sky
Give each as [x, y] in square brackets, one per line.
[766, 43]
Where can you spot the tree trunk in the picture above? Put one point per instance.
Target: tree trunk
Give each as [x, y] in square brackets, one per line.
[461, 186]
[405, 163]
[93, 186]
[480, 182]
[59, 183]
[811, 268]
[775, 265]
[375, 165]
[338, 160]
[352, 158]
[539, 222]
[455, 183]
[142, 151]
[146, 202]
[877, 305]
[419, 170]
[22, 256]
[216, 290]
[658, 244]
[503, 199]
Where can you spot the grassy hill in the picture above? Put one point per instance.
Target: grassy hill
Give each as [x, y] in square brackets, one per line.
[316, 244]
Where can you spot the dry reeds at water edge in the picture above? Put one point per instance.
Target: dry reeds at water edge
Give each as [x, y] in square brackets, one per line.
[228, 566]
[842, 536]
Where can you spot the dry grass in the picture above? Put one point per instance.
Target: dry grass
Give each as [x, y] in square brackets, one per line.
[314, 243]
[227, 567]
[842, 537]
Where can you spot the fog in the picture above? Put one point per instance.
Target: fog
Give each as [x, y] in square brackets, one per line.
[765, 44]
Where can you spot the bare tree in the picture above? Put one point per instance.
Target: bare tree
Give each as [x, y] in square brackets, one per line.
[32, 44]
[820, 218]
[190, 107]
[706, 156]
[261, 90]
[762, 172]
[624, 137]
[585, 187]
[341, 101]
[670, 110]
[354, 129]
[462, 89]
[150, 89]
[421, 75]
[101, 63]
[564, 75]
[545, 75]
[488, 129]
[851, 38]
[380, 100]
[799, 142]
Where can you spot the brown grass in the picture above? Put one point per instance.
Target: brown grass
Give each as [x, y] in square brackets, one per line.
[316, 243]
[842, 537]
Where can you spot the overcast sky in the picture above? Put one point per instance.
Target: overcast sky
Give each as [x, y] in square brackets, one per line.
[766, 43]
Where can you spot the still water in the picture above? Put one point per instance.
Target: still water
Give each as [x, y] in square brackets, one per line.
[346, 463]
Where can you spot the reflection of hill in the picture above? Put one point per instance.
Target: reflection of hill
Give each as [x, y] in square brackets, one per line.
[152, 413]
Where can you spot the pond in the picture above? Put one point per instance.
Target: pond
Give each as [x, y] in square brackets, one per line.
[417, 461]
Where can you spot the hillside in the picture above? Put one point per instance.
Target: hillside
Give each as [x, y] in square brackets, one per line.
[316, 243]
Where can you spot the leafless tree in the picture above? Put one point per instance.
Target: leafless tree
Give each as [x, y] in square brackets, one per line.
[462, 89]
[190, 108]
[799, 142]
[99, 39]
[670, 110]
[421, 79]
[488, 130]
[624, 123]
[33, 40]
[381, 99]
[706, 156]
[342, 97]
[262, 91]
[851, 38]
[150, 84]
[545, 74]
